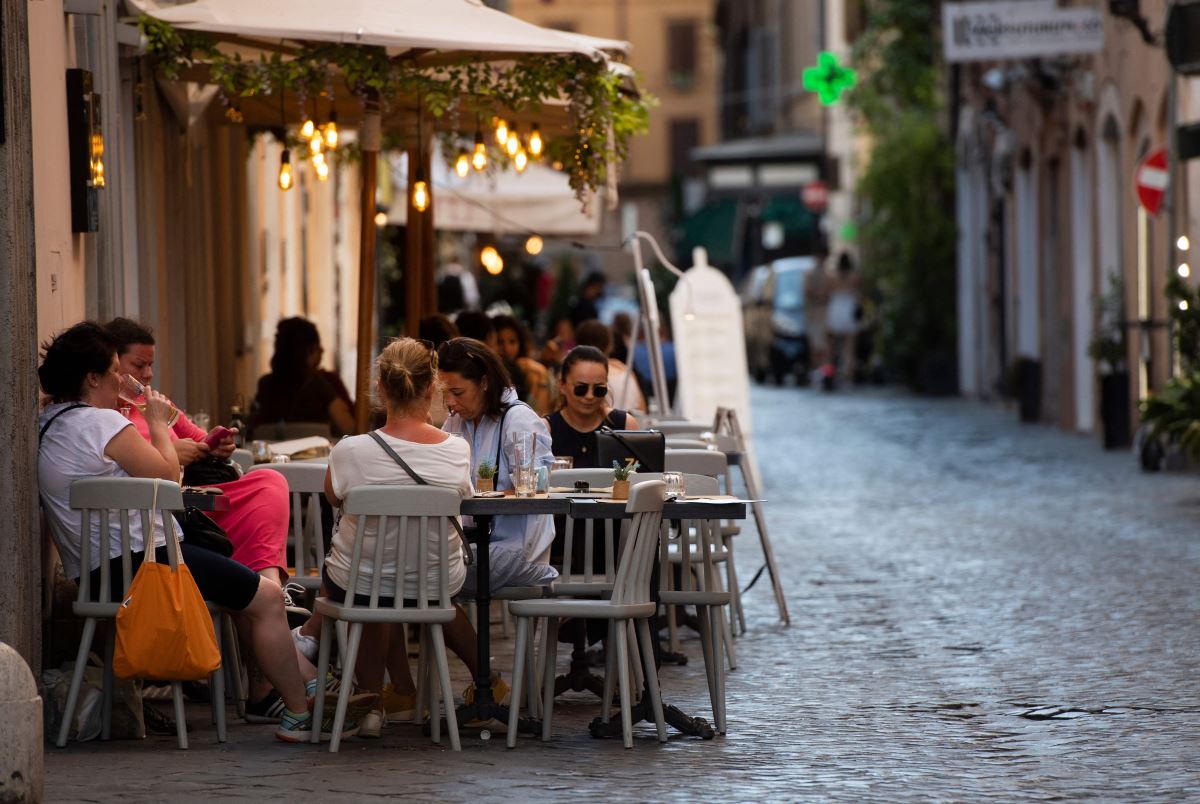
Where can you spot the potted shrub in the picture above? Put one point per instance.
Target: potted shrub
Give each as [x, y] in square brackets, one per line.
[621, 475]
[487, 475]
[1108, 348]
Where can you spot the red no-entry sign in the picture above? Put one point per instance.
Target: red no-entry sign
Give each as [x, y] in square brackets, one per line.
[815, 196]
[1151, 179]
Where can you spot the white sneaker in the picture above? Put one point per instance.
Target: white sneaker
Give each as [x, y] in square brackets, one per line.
[308, 646]
[372, 723]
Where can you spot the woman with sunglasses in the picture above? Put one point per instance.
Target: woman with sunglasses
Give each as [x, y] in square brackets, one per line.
[583, 391]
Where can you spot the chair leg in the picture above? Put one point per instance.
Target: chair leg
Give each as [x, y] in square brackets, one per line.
[110, 639]
[318, 713]
[548, 676]
[660, 723]
[439, 649]
[216, 682]
[610, 676]
[85, 647]
[505, 620]
[727, 639]
[622, 643]
[339, 717]
[518, 679]
[234, 664]
[735, 608]
[634, 665]
[424, 697]
[718, 630]
[434, 687]
[532, 699]
[180, 719]
[672, 629]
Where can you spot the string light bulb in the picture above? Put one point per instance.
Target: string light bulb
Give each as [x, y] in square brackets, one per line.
[536, 146]
[1184, 270]
[513, 144]
[533, 246]
[316, 143]
[462, 164]
[493, 263]
[306, 130]
[285, 170]
[331, 132]
[1183, 305]
[479, 158]
[521, 160]
[501, 131]
[381, 219]
[420, 196]
[320, 166]
[1183, 244]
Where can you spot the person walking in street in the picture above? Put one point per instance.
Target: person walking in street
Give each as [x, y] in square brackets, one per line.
[842, 317]
[816, 302]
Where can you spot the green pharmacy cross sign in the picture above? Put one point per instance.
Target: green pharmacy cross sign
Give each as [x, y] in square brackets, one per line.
[828, 78]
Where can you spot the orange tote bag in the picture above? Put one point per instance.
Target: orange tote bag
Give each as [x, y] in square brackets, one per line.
[164, 630]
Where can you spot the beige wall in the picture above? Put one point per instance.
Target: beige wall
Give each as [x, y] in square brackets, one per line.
[644, 24]
[61, 254]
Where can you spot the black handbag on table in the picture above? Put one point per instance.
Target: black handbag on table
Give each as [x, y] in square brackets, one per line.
[209, 472]
[647, 447]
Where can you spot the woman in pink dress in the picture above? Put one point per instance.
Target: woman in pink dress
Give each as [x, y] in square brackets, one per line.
[258, 515]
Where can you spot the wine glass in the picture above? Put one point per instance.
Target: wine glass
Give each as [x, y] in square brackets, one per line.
[260, 451]
[134, 393]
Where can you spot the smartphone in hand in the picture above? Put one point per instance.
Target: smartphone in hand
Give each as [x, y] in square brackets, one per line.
[219, 434]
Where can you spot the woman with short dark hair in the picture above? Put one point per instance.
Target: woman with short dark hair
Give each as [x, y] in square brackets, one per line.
[485, 410]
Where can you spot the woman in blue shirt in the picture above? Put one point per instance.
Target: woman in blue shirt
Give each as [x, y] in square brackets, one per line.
[484, 410]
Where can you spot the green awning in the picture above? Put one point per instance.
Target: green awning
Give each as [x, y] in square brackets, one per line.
[712, 227]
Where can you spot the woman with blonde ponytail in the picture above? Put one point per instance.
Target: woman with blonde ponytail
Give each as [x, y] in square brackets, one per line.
[407, 370]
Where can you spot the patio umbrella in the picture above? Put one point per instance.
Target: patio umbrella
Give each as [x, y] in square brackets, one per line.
[426, 30]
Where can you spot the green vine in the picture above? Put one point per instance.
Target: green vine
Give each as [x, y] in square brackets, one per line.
[605, 116]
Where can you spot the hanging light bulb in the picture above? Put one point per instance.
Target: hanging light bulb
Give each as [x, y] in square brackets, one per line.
[285, 170]
[1183, 305]
[316, 143]
[501, 131]
[306, 130]
[535, 142]
[513, 143]
[479, 158]
[1183, 244]
[533, 246]
[521, 160]
[420, 195]
[462, 165]
[381, 219]
[331, 132]
[493, 263]
[1184, 270]
[320, 166]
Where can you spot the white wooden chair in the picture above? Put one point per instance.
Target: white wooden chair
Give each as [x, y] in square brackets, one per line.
[98, 498]
[408, 515]
[306, 484]
[630, 606]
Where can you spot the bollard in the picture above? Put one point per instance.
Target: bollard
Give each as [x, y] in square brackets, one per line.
[21, 738]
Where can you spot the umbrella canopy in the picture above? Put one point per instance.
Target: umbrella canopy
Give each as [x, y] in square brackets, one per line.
[398, 25]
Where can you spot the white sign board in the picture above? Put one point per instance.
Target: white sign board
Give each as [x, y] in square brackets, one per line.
[1012, 30]
[710, 346]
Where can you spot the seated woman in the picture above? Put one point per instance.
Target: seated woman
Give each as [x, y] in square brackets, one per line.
[257, 519]
[484, 410]
[297, 389]
[583, 391]
[512, 344]
[407, 375]
[83, 436]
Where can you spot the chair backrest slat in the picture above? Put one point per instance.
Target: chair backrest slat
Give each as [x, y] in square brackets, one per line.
[632, 584]
[597, 478]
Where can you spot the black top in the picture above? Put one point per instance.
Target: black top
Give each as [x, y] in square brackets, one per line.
[285, 400]
[569, 442]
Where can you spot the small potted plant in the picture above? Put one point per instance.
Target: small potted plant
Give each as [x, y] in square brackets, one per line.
[1108, 347]
[487, 476]
[621, 475]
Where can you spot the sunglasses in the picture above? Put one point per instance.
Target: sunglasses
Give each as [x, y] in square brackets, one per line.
[599, 390]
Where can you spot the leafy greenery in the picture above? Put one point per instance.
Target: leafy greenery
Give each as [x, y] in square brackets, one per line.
[622, 471]
[1108, 345]
[1173, 412]
[907, 230]
[486, 470]
[604, 114]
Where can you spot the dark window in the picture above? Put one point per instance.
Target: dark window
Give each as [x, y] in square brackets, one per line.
[685, 135]
[681, 53]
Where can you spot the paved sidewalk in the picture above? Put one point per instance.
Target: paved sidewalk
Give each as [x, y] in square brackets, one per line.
[979, 609]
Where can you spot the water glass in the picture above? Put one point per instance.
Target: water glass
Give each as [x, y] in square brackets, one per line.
[520, 449]
[281, 458]
[525, 480]
[674, 482]
[562, 462]
[260, 451]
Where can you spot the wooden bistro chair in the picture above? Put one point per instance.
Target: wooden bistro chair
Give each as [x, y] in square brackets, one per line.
[418, 514]
[630, 606]
[99, 498]
[714, 464]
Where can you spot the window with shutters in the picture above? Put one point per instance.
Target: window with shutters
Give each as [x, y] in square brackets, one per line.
[681, 54]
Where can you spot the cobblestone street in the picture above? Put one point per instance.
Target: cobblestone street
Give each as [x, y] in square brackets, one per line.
[979, 609]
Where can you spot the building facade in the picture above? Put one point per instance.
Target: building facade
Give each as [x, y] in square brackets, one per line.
[1048, 218]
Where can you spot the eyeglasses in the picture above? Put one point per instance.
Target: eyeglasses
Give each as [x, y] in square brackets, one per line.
[599, 390]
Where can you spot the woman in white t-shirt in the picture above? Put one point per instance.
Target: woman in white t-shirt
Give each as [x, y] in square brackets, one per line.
[407, 375]
[81, 435]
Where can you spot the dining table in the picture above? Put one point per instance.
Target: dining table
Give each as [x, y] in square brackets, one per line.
[579, 506]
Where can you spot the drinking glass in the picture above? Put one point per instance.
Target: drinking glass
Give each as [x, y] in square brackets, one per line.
[520, 449]
[562, 462]
[281, 458]
[260, 451]
[674, 481]
[525, 480]
[202, 420]
[134, 393]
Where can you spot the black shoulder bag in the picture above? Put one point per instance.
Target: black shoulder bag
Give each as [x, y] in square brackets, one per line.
[647, 447]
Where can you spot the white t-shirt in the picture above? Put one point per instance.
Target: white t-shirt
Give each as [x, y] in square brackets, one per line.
[359, 461]
[73, 449]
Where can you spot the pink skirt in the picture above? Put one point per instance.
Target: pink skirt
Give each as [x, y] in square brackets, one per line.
[257, 520]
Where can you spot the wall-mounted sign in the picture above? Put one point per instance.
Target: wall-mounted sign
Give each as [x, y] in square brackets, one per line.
[1151, 179]
[1011, 30]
